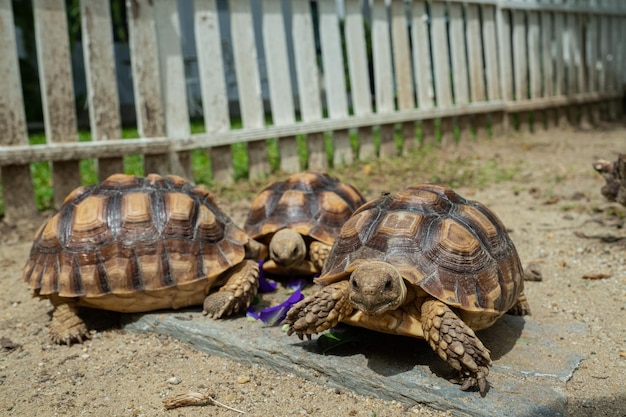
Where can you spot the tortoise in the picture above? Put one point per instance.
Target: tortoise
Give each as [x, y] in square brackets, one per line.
[135, 244]
[298, 219]
[614, 173]
[422, 262]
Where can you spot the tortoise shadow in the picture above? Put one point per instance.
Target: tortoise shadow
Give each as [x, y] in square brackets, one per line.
[389, 355]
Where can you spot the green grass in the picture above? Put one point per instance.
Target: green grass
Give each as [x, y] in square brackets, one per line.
[428, 163]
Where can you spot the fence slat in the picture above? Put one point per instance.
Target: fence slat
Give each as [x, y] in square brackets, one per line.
[248, 83]
[441, 66]
[53, 56]
[402, 70]
[520, 63]
[13, 123]
[334, 77]
[491, 27]
[459, 65]
[547, 63]
[146, 84]
[475, 65]
[422, 66]
[560, 36]
[383, 75]
[173, 82]
[358, 68]
[104, 107]
[308, 80]
[576, 69]
[213, 85]
[279, 79]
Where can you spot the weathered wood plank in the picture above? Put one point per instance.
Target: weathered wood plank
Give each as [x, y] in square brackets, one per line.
[104, 107]
[560, 43]
[534, 66]
[459, 65]
[383, 75]
[422, 66]
[173, 82]
[547, 63]
[504, 22]
[213, 86]
[13, 123]
[279, 79]
[308, 80]
[492, 22]
[520, 65]
[248, 83]
[358, 68]
[55, 79]
[475, 65]
[402, 70]
[334, 78]
[144, 61]
[441, 66]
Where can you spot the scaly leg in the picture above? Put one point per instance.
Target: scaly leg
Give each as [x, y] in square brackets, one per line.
[320, 311]
[456, 343]
[318, 252]
[66, 325]
[240, 287]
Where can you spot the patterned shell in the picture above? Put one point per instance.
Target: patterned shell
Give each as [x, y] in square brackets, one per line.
[455, 249]
[130, 234]
[312, 204]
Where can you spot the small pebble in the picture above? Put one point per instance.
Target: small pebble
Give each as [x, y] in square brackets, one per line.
[243, 379]
[174, 380]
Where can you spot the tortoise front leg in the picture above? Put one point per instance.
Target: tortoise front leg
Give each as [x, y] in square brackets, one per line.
[241, 283]
[66, 325]
[456, 343]
[318, 252]
[320, 311]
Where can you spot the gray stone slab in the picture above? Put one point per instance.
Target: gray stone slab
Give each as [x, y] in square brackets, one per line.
[527, 379]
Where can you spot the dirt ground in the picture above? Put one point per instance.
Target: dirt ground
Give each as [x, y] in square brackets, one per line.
[541, 184]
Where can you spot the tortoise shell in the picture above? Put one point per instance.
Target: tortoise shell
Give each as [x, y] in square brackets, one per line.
[129, 235]
[456, 250]
[311, 203]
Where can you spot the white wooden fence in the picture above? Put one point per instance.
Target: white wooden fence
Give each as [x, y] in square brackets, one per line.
[467, 64]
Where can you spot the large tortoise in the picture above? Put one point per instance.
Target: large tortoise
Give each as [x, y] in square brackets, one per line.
[422, 262]
[133, 244]
[299, 218]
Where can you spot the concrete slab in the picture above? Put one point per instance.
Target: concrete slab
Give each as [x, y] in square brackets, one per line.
[527, 379]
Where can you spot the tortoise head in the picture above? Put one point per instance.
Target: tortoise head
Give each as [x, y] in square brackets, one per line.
[377, 287]
[287, 248]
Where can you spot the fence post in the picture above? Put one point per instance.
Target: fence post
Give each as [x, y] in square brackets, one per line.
[17, 186]
[144, 62]
[55, 69]
[213, 84]
[104, 107]
[358, 68]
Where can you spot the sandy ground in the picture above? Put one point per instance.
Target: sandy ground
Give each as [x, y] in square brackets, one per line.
[550, 204]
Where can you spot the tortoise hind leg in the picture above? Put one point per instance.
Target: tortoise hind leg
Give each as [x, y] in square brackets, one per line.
[320, 311]
[66, 325]
[456, 343]
[521, 307]
[241, 283]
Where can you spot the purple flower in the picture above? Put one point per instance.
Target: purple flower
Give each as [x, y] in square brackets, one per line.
[273, 316]
[265, 285]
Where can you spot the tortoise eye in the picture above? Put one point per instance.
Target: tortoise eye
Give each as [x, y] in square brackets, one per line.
[388, 284]
[354, 284]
